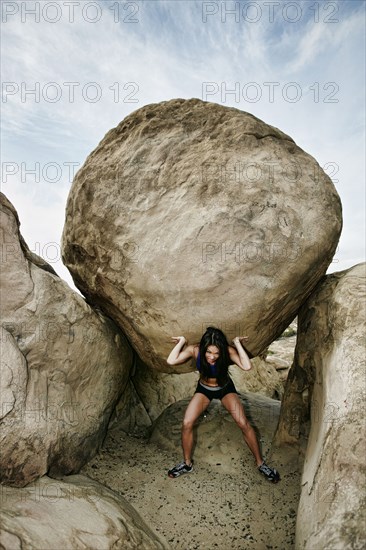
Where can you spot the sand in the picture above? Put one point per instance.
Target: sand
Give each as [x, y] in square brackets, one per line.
[207, 508]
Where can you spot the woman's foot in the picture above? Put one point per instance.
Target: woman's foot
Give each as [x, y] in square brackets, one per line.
[270, 473]
[180, 469]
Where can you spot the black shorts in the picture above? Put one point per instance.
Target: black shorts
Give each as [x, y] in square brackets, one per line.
[216, 393]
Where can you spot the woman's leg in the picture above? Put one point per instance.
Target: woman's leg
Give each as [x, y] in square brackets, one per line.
[233, 404]
[197, 406]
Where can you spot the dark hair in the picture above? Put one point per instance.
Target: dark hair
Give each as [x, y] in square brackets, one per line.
[215, 337]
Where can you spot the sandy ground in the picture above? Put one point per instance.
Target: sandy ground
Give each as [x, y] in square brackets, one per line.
[207, 508]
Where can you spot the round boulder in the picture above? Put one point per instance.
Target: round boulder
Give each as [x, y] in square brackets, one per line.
[75, 512]
[189, 214]
[63, 366]
[326, 386]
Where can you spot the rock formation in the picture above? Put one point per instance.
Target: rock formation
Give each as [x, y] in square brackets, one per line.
[327, 382]
[63, 366]
[190, 213]
[75, 512]
[280, 353]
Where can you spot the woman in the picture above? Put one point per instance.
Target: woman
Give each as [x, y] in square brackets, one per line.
[213, 356]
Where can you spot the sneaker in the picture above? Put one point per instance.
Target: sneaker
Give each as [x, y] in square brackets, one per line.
[180, 469]
[270, 473]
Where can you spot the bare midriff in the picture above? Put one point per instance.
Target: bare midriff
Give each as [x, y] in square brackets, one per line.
[212, 382]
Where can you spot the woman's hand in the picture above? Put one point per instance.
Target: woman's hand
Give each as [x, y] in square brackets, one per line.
[178, 339]
[238, 339]
[240, 356]
[178, 355]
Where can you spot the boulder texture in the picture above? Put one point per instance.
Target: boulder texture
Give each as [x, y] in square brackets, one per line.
[158, 390]
[327, 381]
[130, 414]
[75, 512]
[218, 440]
[280, 353]
[63, 366]
[189, 213]
[263, 378]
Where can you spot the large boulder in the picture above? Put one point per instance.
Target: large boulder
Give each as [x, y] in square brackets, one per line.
[75, 512]
[63, 366]
[189, 213]
[327, 382]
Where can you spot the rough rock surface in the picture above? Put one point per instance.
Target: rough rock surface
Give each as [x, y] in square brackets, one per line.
[328, 376]
[217, 437]
[158, 390]
[130, 413]
[263, 378]
[63, 366]
[76, 512]
[280, 353]
[189, 213]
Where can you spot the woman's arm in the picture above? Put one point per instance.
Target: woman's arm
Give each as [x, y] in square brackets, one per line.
[239, 355]
[178, 356]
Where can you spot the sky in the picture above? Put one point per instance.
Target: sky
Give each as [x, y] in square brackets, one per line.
[72, 70]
